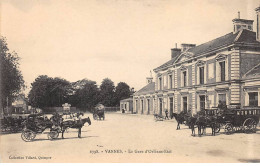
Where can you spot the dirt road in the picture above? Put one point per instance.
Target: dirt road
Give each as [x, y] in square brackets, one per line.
[132, 138]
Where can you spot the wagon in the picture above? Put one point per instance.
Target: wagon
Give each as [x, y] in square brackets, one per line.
[36, 124]
[232, 120]
[98, 114]
[158, 117]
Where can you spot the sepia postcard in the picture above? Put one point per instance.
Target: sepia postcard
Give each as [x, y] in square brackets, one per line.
[130, 81]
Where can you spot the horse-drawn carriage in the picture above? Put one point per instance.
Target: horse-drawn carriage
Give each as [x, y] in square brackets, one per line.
[158, 117]
[39, 123]
[232, 120]
[99, 114]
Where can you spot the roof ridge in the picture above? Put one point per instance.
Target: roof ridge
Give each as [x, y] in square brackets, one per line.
[213, 39]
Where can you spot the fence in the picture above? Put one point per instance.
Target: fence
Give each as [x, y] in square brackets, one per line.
[112, 109]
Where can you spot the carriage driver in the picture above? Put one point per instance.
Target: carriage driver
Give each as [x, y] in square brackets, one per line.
[79, 116]
[56, 120]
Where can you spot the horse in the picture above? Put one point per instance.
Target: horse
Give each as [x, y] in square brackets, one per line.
[179, 118]
[202, 121]
[74, 124]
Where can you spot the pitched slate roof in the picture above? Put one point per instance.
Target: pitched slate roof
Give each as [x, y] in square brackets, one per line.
[148, 89]
[128, 99]
[245, 36]
[254, 72]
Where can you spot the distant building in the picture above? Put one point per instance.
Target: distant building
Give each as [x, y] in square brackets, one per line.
[225, 69]
[20, 104]
[126, 105]
[144, 99]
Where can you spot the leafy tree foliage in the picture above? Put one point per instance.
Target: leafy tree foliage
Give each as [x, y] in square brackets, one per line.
[49, 92]
[107, 92]
[86, 94]
[122, 92]
[11, 79]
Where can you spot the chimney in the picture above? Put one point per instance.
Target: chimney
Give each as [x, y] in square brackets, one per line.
[185, 46]
[149, 79]
[257, 23]
[175, 51]
[240, 24]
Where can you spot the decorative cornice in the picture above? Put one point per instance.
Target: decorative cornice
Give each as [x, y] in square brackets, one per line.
[183, 67]
[200, 63]
[169, 71]
[221, 57]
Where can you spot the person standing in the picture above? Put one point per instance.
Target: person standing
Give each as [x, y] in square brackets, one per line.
[166, 114]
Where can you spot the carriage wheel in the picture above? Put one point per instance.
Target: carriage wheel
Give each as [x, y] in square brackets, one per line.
[217, 128]
[28, 135]
[53, 135]
[249, 125]
[228, 128]
[95, 116]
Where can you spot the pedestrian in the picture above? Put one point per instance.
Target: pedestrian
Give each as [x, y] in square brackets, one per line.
[166, 114]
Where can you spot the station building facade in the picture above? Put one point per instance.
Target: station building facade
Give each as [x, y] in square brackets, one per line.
[144, 100]
[226, 69]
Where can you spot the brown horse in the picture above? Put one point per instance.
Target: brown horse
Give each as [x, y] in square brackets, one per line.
[74, 124]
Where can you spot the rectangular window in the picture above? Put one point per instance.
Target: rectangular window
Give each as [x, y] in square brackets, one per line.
[160, 83]
[222, 98]
[202, 102]
[253, 99]
[222, 71]
[171, 105]
[201, 75]
[142, 106]
[170, 81]
[136, 106]
[184, 78]
[160, 105]
[185, 104]
[148, 106]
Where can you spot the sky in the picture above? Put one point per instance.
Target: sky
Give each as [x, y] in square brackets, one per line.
[118, 39]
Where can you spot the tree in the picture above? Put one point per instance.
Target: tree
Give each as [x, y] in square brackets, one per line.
[86, 94]
[11, 78]
[122, 92]
[49, 92]
[107, 92]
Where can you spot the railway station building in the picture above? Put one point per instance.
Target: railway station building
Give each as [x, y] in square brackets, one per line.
[225, 69]
[144, 100]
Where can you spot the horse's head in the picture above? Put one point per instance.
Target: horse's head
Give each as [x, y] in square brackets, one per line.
[173, 115]
[86, 120]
